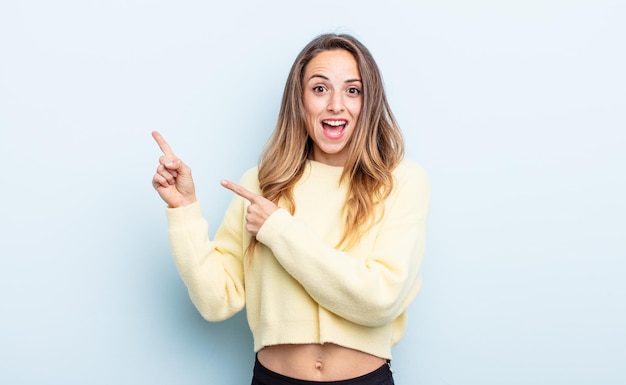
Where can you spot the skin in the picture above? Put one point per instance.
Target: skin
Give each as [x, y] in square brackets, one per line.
[332, 92]
[174, 183]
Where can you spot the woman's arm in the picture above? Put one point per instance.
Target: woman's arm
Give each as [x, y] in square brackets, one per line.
[211, 270]
[370, 289]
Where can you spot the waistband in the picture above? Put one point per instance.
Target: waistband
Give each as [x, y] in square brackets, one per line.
[264, 376]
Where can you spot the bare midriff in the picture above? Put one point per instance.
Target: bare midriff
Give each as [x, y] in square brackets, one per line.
[315, 362]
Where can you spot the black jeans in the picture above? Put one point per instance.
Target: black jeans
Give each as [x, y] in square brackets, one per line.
[264, 376]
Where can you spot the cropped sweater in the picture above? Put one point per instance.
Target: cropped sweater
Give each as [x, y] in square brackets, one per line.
[297, 287]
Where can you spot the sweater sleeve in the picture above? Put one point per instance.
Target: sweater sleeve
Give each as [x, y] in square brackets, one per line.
[371, 289]
[211, 269]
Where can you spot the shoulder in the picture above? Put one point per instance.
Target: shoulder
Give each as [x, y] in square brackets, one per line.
[411, 186]
[410, 171]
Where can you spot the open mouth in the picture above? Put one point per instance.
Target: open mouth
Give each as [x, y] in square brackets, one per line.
[334, 129]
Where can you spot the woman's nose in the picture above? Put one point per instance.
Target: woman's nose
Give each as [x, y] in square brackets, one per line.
[335, 103]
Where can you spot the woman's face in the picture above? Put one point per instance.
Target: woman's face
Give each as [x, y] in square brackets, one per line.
[332, 103]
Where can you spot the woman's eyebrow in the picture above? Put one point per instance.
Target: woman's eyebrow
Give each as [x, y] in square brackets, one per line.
[326, 78]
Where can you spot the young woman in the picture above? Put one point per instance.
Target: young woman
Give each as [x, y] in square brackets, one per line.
[323, 240]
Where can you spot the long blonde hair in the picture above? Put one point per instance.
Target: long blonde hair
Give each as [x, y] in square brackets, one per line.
[374, 150]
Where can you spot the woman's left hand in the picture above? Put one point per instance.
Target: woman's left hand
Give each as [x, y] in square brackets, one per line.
[259, 209]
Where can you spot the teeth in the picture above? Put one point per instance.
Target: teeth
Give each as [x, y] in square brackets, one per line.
[335, 123]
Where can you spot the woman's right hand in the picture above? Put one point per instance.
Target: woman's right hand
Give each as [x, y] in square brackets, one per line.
[172, 179]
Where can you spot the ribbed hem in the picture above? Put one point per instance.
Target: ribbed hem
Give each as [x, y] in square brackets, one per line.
[184, 216]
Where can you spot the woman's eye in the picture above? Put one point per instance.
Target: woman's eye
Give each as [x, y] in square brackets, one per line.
[318, 89]
[354, 91]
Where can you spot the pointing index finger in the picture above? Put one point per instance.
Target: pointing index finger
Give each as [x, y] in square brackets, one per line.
[163, 145]
[240, 190]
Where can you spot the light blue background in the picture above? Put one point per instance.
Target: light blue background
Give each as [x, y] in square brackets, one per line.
[515, 108]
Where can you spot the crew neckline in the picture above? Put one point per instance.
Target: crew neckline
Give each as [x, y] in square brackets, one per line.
[318, 168]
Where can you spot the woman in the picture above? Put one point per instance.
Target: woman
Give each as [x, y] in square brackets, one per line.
[323, 240]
